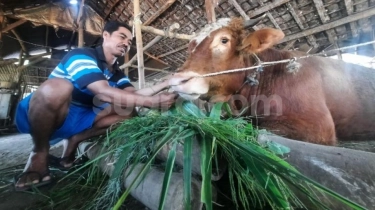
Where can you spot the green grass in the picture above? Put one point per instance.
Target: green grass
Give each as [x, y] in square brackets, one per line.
[258, 175]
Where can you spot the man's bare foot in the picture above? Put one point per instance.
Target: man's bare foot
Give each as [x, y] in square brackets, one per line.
[35, 169]
[68, 155]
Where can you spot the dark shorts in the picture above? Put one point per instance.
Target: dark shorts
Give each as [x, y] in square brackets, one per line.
[79, 118]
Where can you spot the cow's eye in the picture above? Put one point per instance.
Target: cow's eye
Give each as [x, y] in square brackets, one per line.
[224, 40]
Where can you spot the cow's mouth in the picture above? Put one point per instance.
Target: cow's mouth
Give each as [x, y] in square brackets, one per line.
[189, 97]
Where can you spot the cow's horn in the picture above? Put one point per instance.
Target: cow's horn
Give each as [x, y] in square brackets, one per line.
[252, 22]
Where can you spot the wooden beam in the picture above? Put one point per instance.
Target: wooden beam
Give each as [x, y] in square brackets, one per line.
[111, 9]
[13, 25]
[239, 9]
[159, 32]
[273, 21]
[173, 51]
[242, 12]
[354, 17]
[321, 11]
[23, 47]
[331, 34]
[295, 16]
[311, 39]
[289, 45]
[157, 59]
[266, 8]
[160, 11]
[324, 18]
[338, 51]
[173, 27]
[138, 35]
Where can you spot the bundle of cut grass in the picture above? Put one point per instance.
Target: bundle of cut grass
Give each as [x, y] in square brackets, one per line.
[258, 176]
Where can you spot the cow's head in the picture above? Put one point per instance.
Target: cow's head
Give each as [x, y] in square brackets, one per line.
[218, 47]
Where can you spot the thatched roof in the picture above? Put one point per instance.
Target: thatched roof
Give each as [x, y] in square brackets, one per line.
[309, 25]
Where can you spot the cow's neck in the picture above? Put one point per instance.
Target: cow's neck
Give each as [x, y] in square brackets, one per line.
[265, 79]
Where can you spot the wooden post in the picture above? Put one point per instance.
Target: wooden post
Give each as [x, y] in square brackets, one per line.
[80, 25]
[126, 60]
[2, 23]
[47, 42]
[339, 56]
[138, 35]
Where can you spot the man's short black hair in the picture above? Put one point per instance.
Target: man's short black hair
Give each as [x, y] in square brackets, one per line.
[114, 25]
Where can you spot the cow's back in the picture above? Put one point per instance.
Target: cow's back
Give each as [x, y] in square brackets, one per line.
[349, 91]
[324, 98]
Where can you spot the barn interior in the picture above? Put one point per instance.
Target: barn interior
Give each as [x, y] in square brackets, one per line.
[36, 34]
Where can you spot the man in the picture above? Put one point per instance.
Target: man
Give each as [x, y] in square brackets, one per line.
[69, 105]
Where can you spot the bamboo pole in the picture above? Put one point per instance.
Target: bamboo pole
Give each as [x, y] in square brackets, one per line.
[159, 32]
[150, 44]
[80, 25]
[138, 35]
[126, 60]
[210, 11]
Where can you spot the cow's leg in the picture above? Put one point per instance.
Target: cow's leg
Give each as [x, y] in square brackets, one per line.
[48, 108]
[106, 118]
[318, 128]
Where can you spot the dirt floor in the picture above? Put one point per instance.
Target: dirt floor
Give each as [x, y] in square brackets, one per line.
[14, 152]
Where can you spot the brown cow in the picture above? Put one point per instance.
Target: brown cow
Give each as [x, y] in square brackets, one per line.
[324, 100]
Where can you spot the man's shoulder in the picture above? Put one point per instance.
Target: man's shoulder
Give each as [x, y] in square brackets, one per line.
[84, 52]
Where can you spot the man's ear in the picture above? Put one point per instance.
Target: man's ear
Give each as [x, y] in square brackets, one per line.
[261, 40]
[105, 34]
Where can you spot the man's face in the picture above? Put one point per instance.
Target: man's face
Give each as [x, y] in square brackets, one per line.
[118, 42]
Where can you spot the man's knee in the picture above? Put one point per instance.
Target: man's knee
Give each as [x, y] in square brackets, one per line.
[53, 94]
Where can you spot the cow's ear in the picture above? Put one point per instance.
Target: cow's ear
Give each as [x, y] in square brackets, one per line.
[261, 40]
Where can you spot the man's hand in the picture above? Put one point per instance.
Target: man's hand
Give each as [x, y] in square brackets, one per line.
[165, 100]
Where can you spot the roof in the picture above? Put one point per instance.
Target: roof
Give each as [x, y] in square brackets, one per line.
[309, 25]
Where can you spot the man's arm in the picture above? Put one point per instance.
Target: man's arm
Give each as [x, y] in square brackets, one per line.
[104, 92]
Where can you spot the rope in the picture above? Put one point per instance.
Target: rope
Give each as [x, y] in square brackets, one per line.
[137, 19]
[291, 60]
